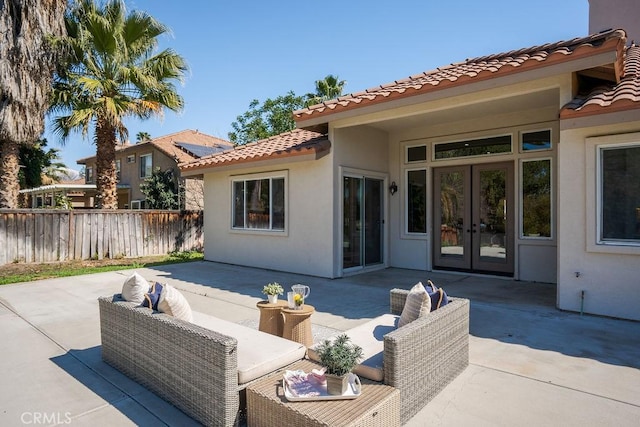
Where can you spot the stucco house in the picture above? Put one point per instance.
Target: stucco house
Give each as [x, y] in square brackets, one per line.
[135, 163]
[522, 164]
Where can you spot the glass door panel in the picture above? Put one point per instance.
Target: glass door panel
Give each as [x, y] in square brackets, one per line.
[373, 221]
[362, 222]
[452, 249]
[492, 212]
[352, 195]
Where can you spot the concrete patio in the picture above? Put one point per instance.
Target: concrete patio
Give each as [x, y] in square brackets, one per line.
[530, 364]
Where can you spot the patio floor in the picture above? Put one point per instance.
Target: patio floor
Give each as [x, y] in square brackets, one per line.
[529, 362]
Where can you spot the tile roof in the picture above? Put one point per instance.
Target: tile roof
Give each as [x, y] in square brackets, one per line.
[473, 70]
[170, 145]
[609, 98]
[289, 144]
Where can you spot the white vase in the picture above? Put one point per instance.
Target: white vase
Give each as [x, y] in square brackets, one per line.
[273, 299]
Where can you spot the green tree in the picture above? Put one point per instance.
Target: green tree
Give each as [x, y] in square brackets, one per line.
[113, 73]
[161, 190]
[28, 61]
[273, 117]
[39, 165]
[328, 88]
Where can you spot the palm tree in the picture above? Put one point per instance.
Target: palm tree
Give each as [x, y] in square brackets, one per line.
[25, 81]
[113, 73]
[142, 137]
[328, 88]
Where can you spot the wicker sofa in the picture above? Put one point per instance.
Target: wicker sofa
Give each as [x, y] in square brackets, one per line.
[200, 370]
[420, 358]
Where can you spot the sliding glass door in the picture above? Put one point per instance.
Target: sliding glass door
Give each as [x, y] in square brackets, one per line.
[362, 221]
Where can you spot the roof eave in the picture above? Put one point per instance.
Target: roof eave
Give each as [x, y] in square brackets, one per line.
[288, 156]
[593, 110]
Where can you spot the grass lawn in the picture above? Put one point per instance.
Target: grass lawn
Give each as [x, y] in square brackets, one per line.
[21, 272]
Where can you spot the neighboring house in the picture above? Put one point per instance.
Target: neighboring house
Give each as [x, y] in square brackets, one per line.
[136, 162]
[45, 195]
[523, 164]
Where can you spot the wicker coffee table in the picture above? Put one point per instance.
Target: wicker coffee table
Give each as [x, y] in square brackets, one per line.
[378, 405]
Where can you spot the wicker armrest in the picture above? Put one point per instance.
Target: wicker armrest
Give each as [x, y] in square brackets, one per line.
[421, 358]
[397, 298]
[194, 368]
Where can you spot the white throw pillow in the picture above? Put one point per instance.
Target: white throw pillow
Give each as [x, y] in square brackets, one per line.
[134, 288]
[173, 303]
[418, 304]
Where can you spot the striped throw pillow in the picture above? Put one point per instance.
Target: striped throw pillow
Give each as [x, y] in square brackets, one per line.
[418, 304]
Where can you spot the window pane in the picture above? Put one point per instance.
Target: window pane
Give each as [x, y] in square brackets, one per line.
[536, 198]
[536, 140]
[417, 201]
[417, 154]
[621, 194]
[146, 166]
[238, 204]
[257, 202]
[278, 204]
[475, 147]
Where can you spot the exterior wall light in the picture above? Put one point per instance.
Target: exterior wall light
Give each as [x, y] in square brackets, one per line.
[393, 188]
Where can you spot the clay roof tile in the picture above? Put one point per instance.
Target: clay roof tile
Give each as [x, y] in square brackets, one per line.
[466, 71]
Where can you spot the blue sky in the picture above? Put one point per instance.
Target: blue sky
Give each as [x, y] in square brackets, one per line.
[238, 51]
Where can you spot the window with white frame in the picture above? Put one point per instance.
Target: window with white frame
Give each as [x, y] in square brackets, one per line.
[536, 198]
[131, 158]
[259, 204]
[619, 194]
[416, 201]
[89, 175]
[146, 165]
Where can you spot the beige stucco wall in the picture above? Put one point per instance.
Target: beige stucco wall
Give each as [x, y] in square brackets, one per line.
[607, 275]
[306, 247]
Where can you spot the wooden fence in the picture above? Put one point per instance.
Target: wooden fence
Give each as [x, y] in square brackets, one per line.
[45, 235]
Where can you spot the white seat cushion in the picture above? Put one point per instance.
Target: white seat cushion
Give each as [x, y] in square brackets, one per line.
[369, 336]
[258, 353]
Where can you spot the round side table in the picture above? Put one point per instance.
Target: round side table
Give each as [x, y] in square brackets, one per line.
[297, 324]
[270, 317]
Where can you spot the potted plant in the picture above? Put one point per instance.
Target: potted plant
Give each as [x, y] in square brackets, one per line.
[339, 357]
[272, 290]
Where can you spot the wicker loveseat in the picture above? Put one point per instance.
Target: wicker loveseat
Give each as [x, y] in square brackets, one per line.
[420, 358]
[195, 368]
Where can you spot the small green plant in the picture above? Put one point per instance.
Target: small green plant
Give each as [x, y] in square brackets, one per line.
[185, 255]
[339, 356]
[273, 289]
